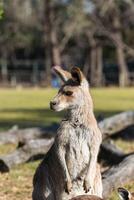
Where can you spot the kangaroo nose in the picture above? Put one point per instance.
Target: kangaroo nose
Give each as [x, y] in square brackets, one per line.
[53, 103]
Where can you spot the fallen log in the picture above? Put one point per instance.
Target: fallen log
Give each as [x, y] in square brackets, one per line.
[16, 136]
[108, 127]
[25, 153]
[110, 153]
[118, 175]
[10, 136]
[116, 123]
[32, 147]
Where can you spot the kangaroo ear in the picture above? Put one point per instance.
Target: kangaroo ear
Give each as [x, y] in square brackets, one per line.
[124, 194]
[79, 77]
[64, 75]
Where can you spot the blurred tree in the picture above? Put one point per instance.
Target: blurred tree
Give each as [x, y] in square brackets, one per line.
[80, 24]
[52, 48]
[69, 32]
[17, 30]
[109, 17]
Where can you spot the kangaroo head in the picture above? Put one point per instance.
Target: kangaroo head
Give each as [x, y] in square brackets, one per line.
[72, 92]
[124, 194]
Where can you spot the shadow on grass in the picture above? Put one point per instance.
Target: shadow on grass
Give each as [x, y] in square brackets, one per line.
[37, 117]
[28, 117]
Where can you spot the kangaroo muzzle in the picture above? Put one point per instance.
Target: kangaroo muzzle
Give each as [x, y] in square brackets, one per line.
[53, 105]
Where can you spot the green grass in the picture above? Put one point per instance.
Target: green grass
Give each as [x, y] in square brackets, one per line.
[26, 108]
[30, 107]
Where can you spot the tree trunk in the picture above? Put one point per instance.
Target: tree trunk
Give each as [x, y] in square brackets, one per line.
[47, 40]
[52, 49]
[55, 48]
[56, 57]
[123, 70]
[4, 69]
[4, 72]
[92, 62]
[86, 67]
[99, 66]
[96, 63]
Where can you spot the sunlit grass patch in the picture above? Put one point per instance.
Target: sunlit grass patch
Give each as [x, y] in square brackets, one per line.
[17, 185]
[4, 149]
[126, 146]
[30, 107]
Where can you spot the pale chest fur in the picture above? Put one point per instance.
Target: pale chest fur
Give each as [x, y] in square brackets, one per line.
[77, 142]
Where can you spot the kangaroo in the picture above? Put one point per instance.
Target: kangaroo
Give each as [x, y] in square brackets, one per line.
[70, 167]
[125, 194]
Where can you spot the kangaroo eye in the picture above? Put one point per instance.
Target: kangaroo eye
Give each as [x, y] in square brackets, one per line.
[68, 93]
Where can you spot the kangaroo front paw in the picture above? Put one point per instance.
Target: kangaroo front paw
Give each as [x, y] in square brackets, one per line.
[68, 186]
[86, 186]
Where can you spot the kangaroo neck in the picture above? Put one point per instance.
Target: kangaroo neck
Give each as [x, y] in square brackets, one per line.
[82, 115]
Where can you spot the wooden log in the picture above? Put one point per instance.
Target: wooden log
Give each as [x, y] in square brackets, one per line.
[9, 136]
[15, 135]
[116, 123]
[108, 127]
[118, 175]
[110, 153]
[23, 154]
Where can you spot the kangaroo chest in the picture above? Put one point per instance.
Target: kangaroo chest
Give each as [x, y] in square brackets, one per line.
[78, 151]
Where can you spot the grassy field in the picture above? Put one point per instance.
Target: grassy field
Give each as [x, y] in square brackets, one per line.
[30, 107]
